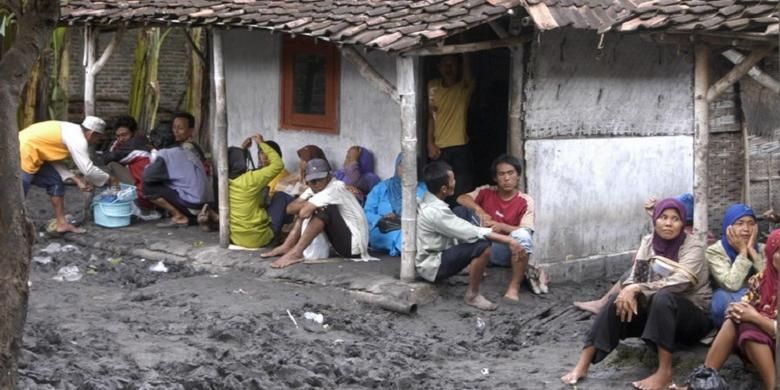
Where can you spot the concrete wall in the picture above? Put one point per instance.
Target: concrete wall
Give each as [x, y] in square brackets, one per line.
[367, 117]
[589, 192]
[629, 87]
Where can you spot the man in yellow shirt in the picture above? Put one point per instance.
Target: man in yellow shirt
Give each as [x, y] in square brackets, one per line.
[42, 148]
[448, 104]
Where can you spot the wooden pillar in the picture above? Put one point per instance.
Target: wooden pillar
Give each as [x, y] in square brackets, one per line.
[516, 137]
[219, 140]
[777, 327]
[701, 140]
[406, 85]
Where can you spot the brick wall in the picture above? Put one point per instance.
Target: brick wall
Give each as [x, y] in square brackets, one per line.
[112, 86]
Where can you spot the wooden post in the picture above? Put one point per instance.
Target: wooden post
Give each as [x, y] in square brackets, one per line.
[405, 69]
[369, 73]
[777, 327]
[701, 140]
[219, 143]
[746, 162]
[93, 65]
[516, 137]
[737, 72]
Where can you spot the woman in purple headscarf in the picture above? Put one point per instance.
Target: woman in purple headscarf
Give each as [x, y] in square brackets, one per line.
[664, 300]
[358, 172]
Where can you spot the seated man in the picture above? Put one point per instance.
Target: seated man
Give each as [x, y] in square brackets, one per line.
[438, 228]
[183, 129]
[328, 207]
[42, 148]
[128, 156]
[510, 212]
[175, 180]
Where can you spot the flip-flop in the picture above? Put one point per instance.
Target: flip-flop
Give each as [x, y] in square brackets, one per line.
[170, 224]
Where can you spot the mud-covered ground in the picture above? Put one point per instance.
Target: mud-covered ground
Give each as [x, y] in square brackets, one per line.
[122, 326]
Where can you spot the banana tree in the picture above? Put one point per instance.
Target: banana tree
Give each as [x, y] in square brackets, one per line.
[145, 88]
[60, 74]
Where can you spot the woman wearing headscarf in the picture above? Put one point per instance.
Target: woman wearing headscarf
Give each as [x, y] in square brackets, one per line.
[733, 259]
[750, 324]
[358, 172]
[383, 211]
[664, 300]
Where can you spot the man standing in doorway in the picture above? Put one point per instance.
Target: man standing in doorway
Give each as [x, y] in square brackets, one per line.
[448, 104]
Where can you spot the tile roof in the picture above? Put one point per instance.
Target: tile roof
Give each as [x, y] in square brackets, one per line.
[393, 25]
[753, 16]
[756, 16]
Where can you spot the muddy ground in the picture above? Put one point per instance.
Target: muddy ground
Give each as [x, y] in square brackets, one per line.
[122, 326]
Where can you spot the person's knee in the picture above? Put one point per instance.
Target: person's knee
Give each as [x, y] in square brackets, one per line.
[524, 237]
[663, 300]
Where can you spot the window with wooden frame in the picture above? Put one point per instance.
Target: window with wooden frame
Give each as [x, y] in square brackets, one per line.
[310, 85]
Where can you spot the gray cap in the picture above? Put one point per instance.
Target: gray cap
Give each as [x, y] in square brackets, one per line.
[316, 168]
[95, 124]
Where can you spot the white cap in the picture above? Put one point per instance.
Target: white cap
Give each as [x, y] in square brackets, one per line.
[95, 124]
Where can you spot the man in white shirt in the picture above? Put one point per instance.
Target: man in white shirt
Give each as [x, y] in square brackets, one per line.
[329, 207]
[42, 148]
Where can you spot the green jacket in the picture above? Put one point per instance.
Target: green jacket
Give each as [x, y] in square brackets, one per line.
[250, 225]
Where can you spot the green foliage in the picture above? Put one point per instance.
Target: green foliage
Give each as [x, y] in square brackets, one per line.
[145, 87]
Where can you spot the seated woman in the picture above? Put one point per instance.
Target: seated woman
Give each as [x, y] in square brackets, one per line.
[175, 180]
[664, 300]
[750, 324]
[383, 211]
[358, 172]
[733, 259]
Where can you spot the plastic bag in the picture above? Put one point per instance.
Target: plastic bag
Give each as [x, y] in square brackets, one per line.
[705, 378]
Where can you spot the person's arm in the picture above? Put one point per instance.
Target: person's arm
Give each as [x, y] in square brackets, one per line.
[727, 274]
[529, 218]
[433, 151]
[450, 225]
[261, 177]
[295, 206]
[79, 152]
[469, 201]
[691, 258]
[373, 200]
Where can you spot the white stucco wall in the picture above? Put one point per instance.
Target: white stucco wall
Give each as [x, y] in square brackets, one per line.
[589, 192]
[367, 117]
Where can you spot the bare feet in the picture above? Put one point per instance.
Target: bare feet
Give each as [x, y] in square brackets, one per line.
[287, 260]
[590, 306]
[278, 251]
[574, 376]
[68, 228]
[512, 294]
[659, 380]
[480, 302]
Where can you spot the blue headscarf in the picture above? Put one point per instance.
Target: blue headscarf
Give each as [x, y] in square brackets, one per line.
[733, 214]
[394, 189]
[687, 200]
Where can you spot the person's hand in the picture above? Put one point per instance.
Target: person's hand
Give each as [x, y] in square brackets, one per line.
[626, 303]
[390, 215]
[247, 143]
[434, 152]
[743, 312]
[484, 218]
[113, 181]
[516, 248]
[258, 139]
[735, 240]
[753, 237]
[500, 227]
[353, 154]
[770, 215]
[650, 205]
[83, 185]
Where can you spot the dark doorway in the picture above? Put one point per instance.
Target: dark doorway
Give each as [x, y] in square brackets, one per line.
[488, 110]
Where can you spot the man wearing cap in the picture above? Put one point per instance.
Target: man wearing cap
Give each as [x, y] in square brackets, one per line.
[42, 148]
[329, 207]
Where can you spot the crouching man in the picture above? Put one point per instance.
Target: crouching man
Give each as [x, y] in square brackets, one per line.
[439, 255]
[326, 206]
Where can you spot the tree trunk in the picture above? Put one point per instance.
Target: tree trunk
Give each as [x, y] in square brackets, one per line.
[36, 20]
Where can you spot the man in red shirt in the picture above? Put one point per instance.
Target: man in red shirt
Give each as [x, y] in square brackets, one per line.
[508, 211]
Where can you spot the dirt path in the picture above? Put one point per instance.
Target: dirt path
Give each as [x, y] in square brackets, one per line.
[122, 326]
